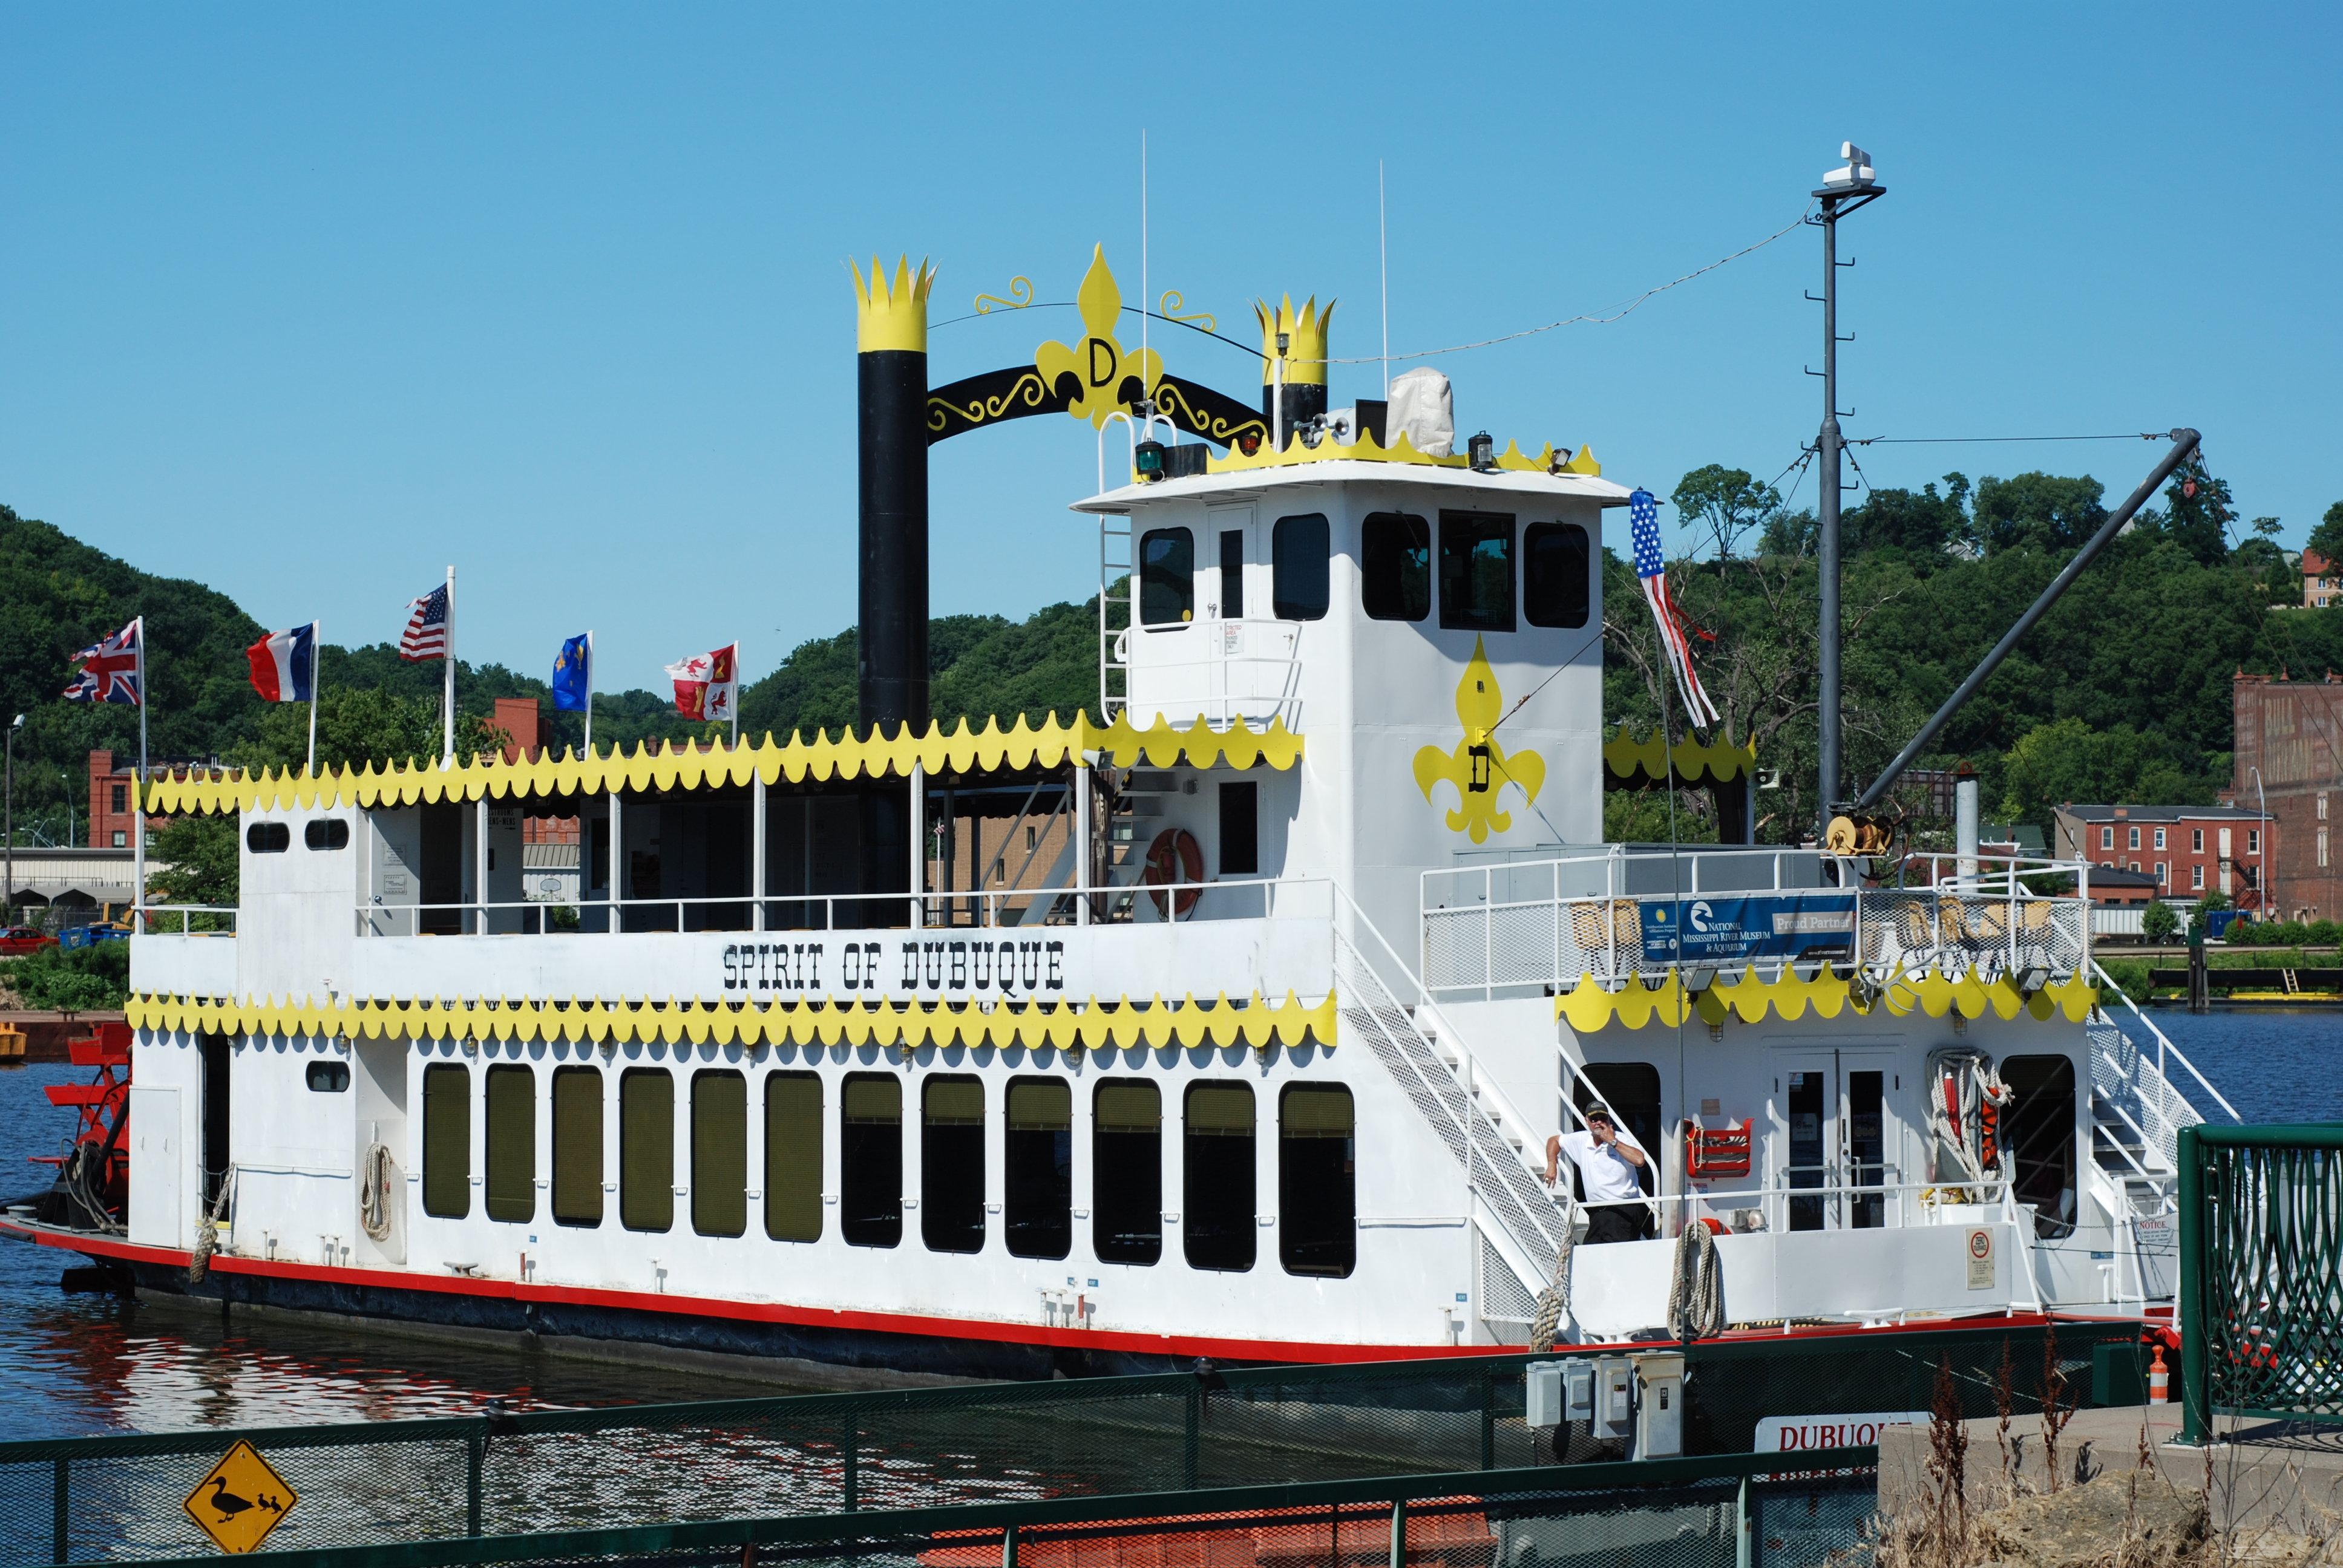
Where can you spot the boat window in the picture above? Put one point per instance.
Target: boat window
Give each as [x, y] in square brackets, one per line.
[268, 838]
[1866, 1146]
[1299, 548]
[2039, 1131]
[327, 835]
[448, 1140]
[646, 1149]
[1554, 574]
[1167, 577]
[1317, 1185]
[1218, 1177]
[511, 1153]
[329, 1077]
[1476, 571]
[1632, 1090]
[951, 1165]
[793, 1157]
[1240, 830]
[870, 1159]
[720, 1154]
[1039, 1168]
[1127, 1171]
[1232, 574]
[577, 1145]
[1395, 567]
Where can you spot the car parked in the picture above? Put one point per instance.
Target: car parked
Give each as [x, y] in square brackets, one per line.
[15, 941]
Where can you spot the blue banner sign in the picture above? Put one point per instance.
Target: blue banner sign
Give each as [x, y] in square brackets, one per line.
[1737, 929]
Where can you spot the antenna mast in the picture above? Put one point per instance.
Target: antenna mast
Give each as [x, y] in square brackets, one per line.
[1382, 254]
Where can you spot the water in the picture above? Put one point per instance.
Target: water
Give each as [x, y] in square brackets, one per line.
[79, 1365]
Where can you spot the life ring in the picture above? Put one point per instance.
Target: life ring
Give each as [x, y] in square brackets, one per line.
[1176, 857]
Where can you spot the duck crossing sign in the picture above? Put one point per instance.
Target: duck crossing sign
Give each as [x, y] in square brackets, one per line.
[240, 1499]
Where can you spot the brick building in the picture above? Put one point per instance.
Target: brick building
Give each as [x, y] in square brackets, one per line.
[2184, 851]
[549, 845]
[2289, 740]
[2322, 581]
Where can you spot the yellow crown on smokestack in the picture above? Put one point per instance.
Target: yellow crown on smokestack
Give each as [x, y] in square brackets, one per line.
[891, 317]
[1305, 342]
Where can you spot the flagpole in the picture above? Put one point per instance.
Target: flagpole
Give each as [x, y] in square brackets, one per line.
[447, 678]
[590, 694]
[736, 693]
[138, 795]
[313, 695]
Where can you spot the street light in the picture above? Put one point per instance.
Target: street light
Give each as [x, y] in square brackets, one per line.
[2261, 806]
[8, 901]
[66, 775]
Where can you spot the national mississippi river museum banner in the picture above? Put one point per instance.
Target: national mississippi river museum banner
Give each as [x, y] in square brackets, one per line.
[1732, 930]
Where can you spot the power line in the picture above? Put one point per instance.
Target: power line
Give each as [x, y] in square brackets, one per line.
[1974, 440]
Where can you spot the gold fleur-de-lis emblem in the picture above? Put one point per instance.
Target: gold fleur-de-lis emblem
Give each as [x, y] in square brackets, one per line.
[1479, 766]
[1098, 362]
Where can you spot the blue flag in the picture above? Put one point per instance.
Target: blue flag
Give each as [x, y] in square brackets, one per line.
[573, 674]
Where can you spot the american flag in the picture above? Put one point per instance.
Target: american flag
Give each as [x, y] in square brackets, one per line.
[425, 637]
[114, 670]
[1651, 567]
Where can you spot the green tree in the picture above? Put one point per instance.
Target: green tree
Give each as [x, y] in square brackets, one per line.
[192, 859]
[2068, 761]
[2326, 539]
[1723, 504]
[2158, 923]
[2044, 511]
[2198, 513]
[1921, 525]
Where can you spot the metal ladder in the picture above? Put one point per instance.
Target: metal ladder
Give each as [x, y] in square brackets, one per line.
[1115, 565]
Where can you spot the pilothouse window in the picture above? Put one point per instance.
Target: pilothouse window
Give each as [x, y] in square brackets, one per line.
[1555, 558]
[1299, 548]
[1395, 567]
[1167, 577]
[1476, 571]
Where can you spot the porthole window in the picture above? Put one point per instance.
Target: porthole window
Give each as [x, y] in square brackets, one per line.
[329, 1077]
[1167, 577]
[1555, 574]
[268, 838]
[1299, 549]
[329, 834]
[1476, 571]
[1395, 567]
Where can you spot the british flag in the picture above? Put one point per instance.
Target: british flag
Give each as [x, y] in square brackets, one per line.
[1651, 567]
[114, 670]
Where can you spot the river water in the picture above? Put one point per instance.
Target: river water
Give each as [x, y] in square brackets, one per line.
[72, 1365]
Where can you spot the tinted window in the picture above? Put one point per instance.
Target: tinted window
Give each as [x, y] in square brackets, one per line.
[268, 838]
[577, 1145]
[1298, 548]
[1218, 1171]
[1240, 830]
[1317, 1185]
[329, 1077]
[1038, 1206]
[646, 1149]
[720, 1154]
[1476, 571]
[512, 1144]
[1554, 574]
[330, 835]
[447, 1141]
[1395, 567]
[871, 1160]
[793, 1157]
[1167, 577]
[952, 1164]
[1127, 1171]
[1232, 574]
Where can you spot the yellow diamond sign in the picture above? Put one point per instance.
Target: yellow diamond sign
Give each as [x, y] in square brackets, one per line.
[240, 1499]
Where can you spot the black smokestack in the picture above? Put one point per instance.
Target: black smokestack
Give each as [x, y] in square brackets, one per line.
[890, 398]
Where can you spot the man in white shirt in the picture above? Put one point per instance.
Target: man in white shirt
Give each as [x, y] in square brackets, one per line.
[1607, 1159]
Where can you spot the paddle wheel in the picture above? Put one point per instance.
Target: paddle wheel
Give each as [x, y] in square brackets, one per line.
[92, 1184]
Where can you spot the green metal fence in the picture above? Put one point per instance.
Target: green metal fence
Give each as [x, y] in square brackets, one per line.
[2261, 1274]
[1735, 1510]
[89, 1499]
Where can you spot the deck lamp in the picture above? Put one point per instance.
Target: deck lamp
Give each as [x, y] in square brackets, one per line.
[1483, 452]
[1149, 459]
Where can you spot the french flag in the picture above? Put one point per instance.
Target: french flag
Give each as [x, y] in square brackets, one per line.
[283, 663]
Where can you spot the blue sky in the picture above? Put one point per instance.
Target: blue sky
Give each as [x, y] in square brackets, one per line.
[306, 302]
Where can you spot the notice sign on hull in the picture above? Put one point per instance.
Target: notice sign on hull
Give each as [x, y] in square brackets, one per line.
[1721, 930]
[1798, 1434]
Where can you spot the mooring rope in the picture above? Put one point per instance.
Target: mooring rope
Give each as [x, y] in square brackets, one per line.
[207, 1233]
[1554, 1302]
[1696, 1291]
[373, 1192]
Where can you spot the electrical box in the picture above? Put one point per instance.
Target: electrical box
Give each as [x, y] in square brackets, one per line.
[1614, 1398]
[1541, 1396]
[1659, 1404]
[1578, 1389]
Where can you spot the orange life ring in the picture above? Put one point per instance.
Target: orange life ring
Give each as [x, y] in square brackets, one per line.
[1176, 857]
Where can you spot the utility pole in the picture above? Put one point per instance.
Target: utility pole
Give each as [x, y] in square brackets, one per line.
[1844, 190]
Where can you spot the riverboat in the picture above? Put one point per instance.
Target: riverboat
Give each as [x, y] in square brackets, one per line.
[1232, 1022]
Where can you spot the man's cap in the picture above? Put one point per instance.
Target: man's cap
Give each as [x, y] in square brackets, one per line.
[1600, 1113]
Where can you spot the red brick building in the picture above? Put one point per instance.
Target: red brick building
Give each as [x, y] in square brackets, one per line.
[110, 817]
[2182, 851]
[2289, 742]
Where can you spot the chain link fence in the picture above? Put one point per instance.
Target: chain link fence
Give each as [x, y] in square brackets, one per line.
[502, 1474]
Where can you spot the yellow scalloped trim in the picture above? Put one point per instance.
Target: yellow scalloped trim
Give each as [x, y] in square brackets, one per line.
[1624, 756]
[1093, 1025]
[956, 750]
[1588, 1006]
[1366, 449]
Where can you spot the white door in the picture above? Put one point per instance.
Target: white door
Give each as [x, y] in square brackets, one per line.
[1837, 1134]
[1239, 592]
[156, 1173]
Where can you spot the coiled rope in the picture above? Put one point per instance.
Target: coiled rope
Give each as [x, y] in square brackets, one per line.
[207, 1233]
[1554, 1302]
[1696, 1291]
[374, 1191]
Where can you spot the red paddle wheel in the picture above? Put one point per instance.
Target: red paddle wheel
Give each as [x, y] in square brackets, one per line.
[92, 1184]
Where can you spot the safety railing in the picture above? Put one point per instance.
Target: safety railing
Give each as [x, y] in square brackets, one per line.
[1831, 1202]
[182, 920]
[1629, 911]
[2261, 1274]
[1226, 683]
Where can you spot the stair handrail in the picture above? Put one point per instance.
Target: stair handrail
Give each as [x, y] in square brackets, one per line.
[2164, 1046]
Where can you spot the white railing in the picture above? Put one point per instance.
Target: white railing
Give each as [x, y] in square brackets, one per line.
[183, 920]
[2165, 1054]
[1902, 1205]
[1119, 904]
[1545, 923]
[1231, 682]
